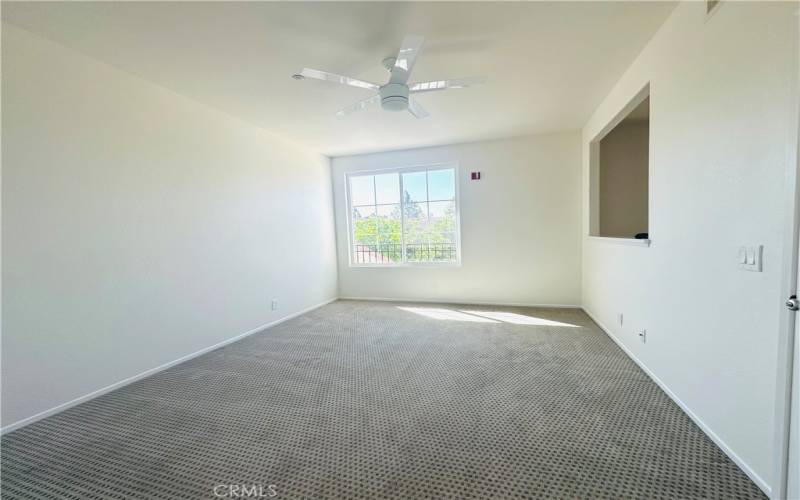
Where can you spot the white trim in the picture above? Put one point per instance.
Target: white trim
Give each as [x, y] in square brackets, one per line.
[632, 104]
[705, 428]
[785, 385]
[461, 302]
[409, 264]
[620, 241]
[152, 371]
[417, 167]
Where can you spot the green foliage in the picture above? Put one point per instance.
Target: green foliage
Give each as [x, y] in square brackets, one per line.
[383, 233]
[374, 230]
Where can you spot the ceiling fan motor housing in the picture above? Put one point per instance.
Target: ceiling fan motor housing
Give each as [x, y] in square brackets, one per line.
[394, 97]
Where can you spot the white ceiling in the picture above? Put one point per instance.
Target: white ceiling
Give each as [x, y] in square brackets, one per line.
[548, 63]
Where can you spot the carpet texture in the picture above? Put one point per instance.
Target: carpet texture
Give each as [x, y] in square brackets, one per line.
[384, 400]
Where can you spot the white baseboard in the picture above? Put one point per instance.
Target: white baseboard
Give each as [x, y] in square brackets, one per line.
[705, 428]
[462, 302]
[69, 404]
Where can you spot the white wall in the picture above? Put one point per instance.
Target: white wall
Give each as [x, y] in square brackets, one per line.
[520, 225]
[140, 226]
[722, 101]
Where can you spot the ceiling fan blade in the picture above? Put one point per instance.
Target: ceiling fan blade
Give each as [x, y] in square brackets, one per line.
[360, 105]
[333, 77]
[455, 83]
[406, 58]
[415, 109]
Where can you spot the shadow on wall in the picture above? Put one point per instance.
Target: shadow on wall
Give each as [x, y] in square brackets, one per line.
[483, 316]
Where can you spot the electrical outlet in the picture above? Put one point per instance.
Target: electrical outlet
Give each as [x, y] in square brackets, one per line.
[643, 336]
[274, 304]
[621, 322]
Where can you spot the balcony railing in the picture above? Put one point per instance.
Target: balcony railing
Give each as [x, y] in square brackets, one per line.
[392, 253]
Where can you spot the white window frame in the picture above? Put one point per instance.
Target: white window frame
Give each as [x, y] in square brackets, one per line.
[400, 171]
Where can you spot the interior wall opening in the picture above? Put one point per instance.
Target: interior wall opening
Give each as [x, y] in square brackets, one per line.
[621, 175]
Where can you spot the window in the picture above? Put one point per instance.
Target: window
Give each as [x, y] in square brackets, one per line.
[620, 174]
[405, 216]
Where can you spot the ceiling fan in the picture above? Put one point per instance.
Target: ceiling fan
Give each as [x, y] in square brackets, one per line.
[395, 94]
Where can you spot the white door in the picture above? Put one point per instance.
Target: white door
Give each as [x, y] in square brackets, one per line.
[792, 483]
[788, 443]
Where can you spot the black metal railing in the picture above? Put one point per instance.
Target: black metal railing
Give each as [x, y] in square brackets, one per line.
[388, 253]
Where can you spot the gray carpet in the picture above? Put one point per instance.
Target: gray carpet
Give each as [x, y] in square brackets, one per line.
[368, 400]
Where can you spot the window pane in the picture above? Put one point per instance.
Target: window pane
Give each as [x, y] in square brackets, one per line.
[415, 222]
[442, 216]
[443, 248]
[389, 211]
[388, 219]
[416, 252]
[442, 184]
[363, 212]
[362, 190]
[449, 238]
[414, 187]
[365, 237]
[437, 247]
[367, 254]
[387, 188]
[364, 227]
[388, 231]
[390, 252]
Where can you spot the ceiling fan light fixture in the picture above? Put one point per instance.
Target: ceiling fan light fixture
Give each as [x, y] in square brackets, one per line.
[394, 104]
[394, 97]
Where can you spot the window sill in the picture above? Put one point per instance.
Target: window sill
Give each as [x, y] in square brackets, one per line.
[410, 264]
[620, 241]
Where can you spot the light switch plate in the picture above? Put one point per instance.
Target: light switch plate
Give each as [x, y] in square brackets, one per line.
[750, 258]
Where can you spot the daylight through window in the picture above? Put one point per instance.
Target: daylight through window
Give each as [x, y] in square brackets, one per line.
[404, 216]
